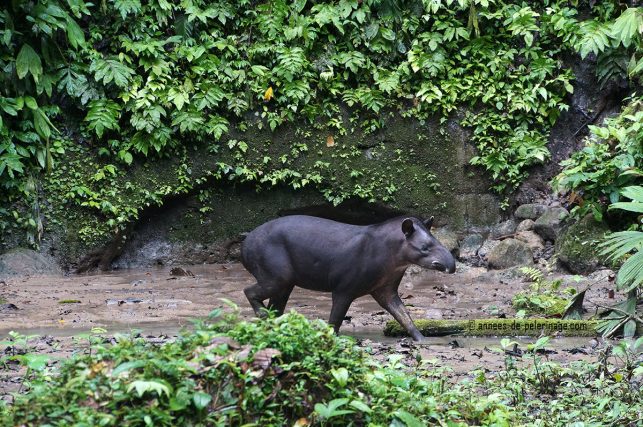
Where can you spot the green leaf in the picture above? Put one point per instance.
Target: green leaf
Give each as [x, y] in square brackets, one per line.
[41, 157]
[126, 156]
[28, 61]
[201, 400]
[619, 244]
[109, 70]
[340, 375]
[103, 115]
[31, 103]
[143, 386]
[634, 192]
[630, 275]
[628, 206]
[37, 362]
[409, 419]
[627, 25]
[126, 7]
[178, 97]
[360, 406]
[41, 124]
[75, 34]
[127, 366]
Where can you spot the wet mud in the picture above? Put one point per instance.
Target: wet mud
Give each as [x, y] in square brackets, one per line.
[159, 303]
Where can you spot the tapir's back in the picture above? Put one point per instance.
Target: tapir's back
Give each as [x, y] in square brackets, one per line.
[303, 248]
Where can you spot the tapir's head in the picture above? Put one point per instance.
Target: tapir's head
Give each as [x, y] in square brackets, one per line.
[421, 248]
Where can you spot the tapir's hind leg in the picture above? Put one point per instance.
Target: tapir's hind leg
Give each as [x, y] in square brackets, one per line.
[256, 294]
[278, 302]
[341, 303]
[259, 292]
[274, 280]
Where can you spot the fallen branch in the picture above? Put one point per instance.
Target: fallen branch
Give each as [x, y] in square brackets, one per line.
[499, 327]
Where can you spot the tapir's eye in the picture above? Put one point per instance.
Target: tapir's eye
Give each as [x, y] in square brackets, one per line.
[424, 248]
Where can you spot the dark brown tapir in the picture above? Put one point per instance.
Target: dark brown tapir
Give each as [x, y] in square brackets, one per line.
[349, 261]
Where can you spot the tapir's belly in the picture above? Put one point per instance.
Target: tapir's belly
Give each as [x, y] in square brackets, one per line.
[350, 272]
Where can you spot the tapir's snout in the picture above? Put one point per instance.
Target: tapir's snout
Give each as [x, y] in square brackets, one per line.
[451, 267]
[444, 261]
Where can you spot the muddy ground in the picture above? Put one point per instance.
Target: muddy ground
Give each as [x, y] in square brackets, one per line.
[55, 310]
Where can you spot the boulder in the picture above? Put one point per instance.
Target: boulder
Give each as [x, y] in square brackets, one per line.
[577, 247]
[487, 247]
[510, 253]
[550, 224]
[530, 211]
[469, 246]
[504, 228]
[525, 225]
[27, 262]
[448, 238]
[533, 240]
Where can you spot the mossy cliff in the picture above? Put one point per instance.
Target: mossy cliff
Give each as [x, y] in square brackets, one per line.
[191, 206]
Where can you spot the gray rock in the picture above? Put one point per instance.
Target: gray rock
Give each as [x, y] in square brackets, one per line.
[577, 247]
[533, 240]
[525, 225]
[27, 262]
[487, 247]
[433, 313]
[470, 245]
[550, 223]
[504, 228]
[603, 276]
[530, 211]
[510, 253]
[448, 238]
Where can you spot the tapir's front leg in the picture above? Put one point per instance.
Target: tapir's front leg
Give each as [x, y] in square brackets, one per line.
[389, 299]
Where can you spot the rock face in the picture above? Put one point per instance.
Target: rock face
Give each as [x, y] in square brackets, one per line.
[550, 223]
[470, 245]
[487, 247]
[533, 240]
[530, 211]
[432, 175]
[503, 229]
[525, 225]
[510, 253]
[26, 262]
[577, 247]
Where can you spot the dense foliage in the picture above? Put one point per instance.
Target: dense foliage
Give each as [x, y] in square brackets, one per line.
[101, 87]
[290, 371]
[611, 160]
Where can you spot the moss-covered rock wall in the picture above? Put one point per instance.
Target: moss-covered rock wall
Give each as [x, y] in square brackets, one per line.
[194, 208]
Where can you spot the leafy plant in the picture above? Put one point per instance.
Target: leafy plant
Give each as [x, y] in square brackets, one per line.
[291, 371]
[610, 161]
[544, 296]
[152, 80]
[626, 245]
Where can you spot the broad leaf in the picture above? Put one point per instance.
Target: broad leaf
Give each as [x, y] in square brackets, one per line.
[28, 61]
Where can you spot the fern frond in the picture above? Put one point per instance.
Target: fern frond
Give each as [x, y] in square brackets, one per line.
[621, 243]
[630, 275]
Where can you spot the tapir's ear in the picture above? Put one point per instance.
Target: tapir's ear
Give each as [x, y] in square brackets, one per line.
[407, 227]
[429, 223]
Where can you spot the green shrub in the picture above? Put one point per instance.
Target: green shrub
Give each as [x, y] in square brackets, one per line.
[270, 372]
[291, 371]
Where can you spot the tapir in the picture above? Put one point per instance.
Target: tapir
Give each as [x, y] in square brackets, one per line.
[349, 261]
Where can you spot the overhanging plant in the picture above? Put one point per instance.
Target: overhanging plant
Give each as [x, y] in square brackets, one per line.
[626, 244]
